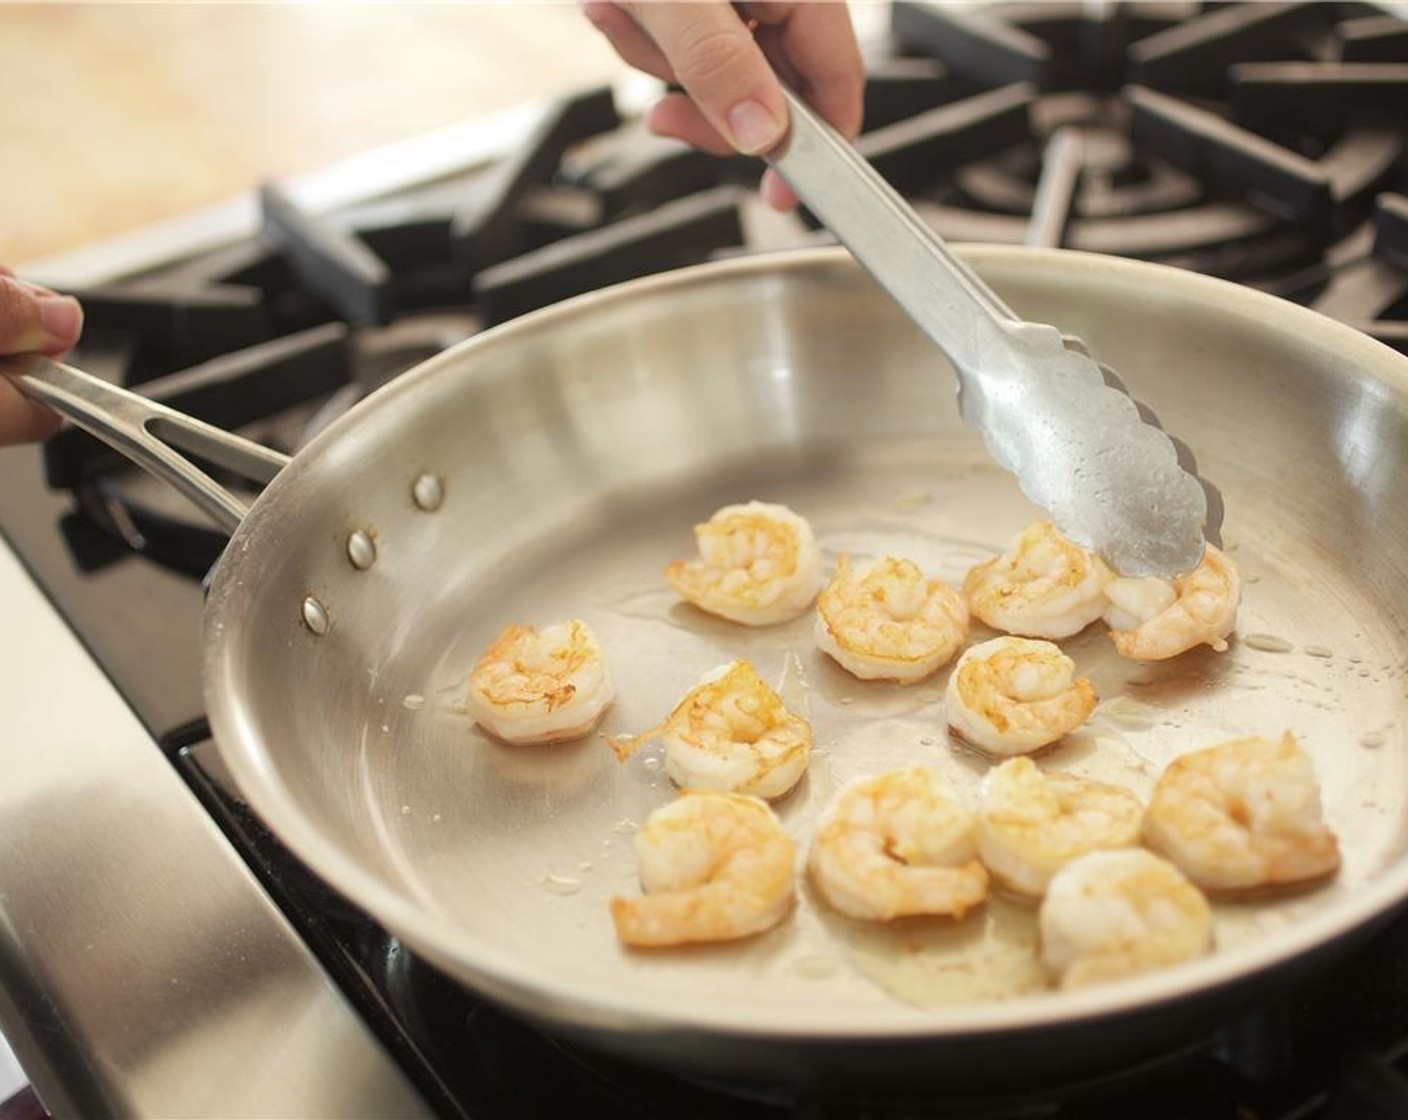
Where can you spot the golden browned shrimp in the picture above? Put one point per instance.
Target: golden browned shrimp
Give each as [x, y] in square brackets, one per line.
[758, 564]
[886, 621]
[895, 844]
[1015, 695]
[731, 732]
[1043, 586]
[535, 686]
[1031, 824]
[1242, 814]
[714, 867]
[1154, 619]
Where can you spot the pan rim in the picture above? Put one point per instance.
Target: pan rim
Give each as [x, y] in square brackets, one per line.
[500, 972]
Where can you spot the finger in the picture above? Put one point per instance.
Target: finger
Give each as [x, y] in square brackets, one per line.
[628, 40]
[819, 46]
[33, 318]
[775, 191]
[677, 116]
[717, 62]
[23, 420]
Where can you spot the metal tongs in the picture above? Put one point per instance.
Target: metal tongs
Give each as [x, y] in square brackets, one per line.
[1111, 478]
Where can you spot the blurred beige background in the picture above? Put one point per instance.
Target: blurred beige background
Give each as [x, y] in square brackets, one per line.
[116, 115]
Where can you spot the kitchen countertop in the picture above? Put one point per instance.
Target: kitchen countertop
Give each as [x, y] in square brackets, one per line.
[115, 116]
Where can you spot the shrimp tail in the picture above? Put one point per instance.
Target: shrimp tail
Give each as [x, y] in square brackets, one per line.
[678, 917]
[944, 890]
[969, 885]
[656, 920]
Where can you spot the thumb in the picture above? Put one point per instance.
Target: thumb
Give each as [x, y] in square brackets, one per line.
[715, 59]
[34, 318]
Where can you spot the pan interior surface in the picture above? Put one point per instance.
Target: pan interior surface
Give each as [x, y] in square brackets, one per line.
[576, 450]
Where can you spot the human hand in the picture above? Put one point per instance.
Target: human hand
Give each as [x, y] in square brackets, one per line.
[733, 101]
[32, 319]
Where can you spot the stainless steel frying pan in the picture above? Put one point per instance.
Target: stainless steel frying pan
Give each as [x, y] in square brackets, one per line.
[551, 467]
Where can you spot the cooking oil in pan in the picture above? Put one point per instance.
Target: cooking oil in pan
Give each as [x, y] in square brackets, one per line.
[507, 859]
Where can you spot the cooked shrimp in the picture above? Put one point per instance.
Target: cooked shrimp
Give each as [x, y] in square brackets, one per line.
[1114, 914]
[759, 565]
[1014, 695]
[731, 732]
[885, 621]
[534, 686]
[714, 866]
[895, 844]
[1031, 824]
[1153, 619]
[1242, 814]
[1043, 586]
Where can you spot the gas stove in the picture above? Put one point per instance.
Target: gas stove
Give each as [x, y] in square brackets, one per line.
[1263, 143]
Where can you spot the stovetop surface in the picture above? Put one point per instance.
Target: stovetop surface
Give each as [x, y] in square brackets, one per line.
[1162, 131]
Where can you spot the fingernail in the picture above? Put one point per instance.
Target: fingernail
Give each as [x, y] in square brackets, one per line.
[61, 317]
[753, 128]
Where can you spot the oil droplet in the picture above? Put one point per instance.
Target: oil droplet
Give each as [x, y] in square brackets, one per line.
[1371, 739]
[1267, 643]
[1124, 713]
[436, 818]
[624, 827]
[405, 810]
[413, 701]
[651, 764]
[1319, 651]
[585, 865]
[822, 779]
[792, 686]
[926, 742]
[846, 701]
[559, 884]
[386, 727]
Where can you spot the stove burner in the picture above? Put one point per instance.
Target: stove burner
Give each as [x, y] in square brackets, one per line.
[1372, 39]
[232, 391]
[334, 264]
[1319, 96]
[1391, 229]
[1230, 159]
[177, 324]
[675, 234]
[486, 229]
[916, 153]
[1013, 124]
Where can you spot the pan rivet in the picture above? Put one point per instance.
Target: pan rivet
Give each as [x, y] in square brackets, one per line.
[315, 616]
[361, 549]
[429, 492]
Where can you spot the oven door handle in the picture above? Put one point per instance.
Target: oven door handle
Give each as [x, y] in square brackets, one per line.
[149, 434]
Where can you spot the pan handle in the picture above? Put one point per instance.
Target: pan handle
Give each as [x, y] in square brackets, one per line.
[147, 433]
